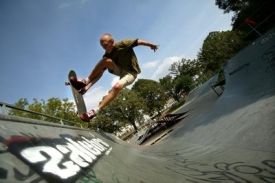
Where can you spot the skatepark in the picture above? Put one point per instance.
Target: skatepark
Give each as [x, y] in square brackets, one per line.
[228, 136]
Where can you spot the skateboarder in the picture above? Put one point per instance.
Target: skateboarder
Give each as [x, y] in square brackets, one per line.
[119, 59]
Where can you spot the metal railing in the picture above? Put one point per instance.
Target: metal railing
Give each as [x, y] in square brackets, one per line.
[4, 107]
[258, 25]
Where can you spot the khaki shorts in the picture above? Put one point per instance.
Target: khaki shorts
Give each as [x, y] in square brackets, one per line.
[126, 78]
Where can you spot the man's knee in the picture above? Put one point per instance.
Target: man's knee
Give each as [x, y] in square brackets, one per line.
[106, 63]
[117, 87]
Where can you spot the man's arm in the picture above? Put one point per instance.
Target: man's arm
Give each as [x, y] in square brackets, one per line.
[146, 43]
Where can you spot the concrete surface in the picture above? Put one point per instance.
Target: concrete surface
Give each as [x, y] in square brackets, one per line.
[227, 138]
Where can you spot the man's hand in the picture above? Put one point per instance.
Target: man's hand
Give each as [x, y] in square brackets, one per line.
[146, 43]
[154, 47]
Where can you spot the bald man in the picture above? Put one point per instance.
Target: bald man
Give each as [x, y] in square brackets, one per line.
[120, 60]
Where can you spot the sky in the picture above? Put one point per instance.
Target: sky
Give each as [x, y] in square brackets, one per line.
[42, 40]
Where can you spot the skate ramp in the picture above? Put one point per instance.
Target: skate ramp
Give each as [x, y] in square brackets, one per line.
[201, 89]
[227, 138]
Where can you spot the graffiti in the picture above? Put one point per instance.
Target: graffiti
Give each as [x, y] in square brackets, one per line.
[90, 178]
[56, 160]
[267, 37]
[42, 160]
[269, 57]
[119, 178]
[71, 159]
[22, 177]
[18, 172]
[219, 172]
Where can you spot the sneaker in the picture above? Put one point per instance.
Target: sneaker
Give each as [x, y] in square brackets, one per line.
[88, 116]
[77, 84]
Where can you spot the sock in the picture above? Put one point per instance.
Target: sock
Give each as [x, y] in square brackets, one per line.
[96, 110]
[87, 81]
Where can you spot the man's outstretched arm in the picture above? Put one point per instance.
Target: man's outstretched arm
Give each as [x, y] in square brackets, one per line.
[146, 43]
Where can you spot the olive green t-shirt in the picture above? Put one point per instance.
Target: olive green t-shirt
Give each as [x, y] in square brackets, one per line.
[124, 56]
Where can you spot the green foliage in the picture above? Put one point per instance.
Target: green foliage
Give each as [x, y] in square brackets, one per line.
[23, 104]
[260, 11]
[232, 5]
[217, 48]
[168, 86]
[55, 107]
[127, 108]
[183, 84]
[36, 106]
[186, 73]
[185, 67]
[152, 92]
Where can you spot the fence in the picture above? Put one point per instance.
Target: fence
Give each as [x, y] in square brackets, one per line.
[5, 106]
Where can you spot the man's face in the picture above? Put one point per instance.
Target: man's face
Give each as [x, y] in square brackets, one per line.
[107, 42]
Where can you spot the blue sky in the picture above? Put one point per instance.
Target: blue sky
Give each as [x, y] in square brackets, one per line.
[41, 40]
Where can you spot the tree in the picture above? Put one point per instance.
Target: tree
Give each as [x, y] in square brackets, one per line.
[183, 84]
[63, 109]
[22, 104]
[36, 106]
[184, 67]
[127, 108]
[153, 92]
[55, 107]
[186, 75]
[68, 111]
[261, 12]
[167, 84]
[232, 5]
[217, 48]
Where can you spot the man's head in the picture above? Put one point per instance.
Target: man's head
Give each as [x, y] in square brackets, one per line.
[107, 42]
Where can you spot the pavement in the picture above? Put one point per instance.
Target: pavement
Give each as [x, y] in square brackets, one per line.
[226, 138]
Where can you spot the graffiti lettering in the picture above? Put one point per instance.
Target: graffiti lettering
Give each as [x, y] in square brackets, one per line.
[63, 159]
[82, 154]
[220, 172]
[90, 178]
[268, 37]
[35, 155]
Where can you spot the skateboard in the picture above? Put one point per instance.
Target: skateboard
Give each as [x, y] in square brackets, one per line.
[78, 98]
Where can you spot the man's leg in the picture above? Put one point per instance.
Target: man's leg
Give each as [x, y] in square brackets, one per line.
[126, 80]
[97, 72]
[100, 68]
[111, 96]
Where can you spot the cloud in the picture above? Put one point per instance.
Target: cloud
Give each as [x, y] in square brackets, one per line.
[150, 65]
[162, 69]
[83, 2]
[94, 96]
[114, 81]
[65, 5]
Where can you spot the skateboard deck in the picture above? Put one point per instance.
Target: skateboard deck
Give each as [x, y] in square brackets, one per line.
[78, 98]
